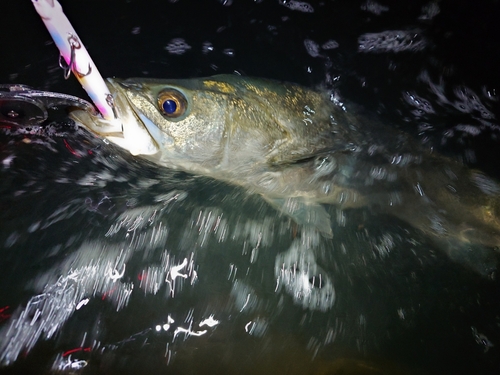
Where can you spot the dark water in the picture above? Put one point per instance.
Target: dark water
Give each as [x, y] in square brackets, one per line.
[111, 265]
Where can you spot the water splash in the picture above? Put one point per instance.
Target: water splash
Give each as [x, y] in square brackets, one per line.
[300, 6]
[392, 41]
[374, 7]
[177, 46]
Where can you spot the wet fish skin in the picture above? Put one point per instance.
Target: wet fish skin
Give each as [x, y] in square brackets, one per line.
[299, 150]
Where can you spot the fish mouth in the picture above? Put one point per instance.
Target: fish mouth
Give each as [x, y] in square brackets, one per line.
[124, 92]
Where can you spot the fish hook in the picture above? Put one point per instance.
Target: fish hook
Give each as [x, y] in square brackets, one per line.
[111, 102]
[71, 67]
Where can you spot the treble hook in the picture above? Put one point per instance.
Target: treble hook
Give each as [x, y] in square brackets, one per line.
[71, 67]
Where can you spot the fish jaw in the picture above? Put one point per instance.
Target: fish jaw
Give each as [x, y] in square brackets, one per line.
[127, 131]
[131, 94]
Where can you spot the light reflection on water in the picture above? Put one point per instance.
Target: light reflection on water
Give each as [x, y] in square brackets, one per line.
[126, 268]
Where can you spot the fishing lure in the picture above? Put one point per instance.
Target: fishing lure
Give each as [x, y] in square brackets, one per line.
[76, 57]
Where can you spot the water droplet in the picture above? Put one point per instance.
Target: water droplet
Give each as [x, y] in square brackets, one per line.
[177, 46]
[374, 7]
[331, 44]
[300, 6]
[312, 47]
[207, 47]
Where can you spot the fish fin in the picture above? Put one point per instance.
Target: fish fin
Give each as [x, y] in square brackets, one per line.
[304, 213]
[482, 259]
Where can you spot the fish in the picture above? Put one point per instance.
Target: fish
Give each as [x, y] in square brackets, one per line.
[304, 152]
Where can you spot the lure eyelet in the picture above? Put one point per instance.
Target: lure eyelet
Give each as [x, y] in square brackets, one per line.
[172, 103]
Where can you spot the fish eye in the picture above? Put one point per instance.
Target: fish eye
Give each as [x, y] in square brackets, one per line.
[172, 103]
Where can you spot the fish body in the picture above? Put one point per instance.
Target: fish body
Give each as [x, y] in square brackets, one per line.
[300, 151]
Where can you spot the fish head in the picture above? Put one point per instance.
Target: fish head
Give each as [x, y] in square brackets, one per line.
[185, 121]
